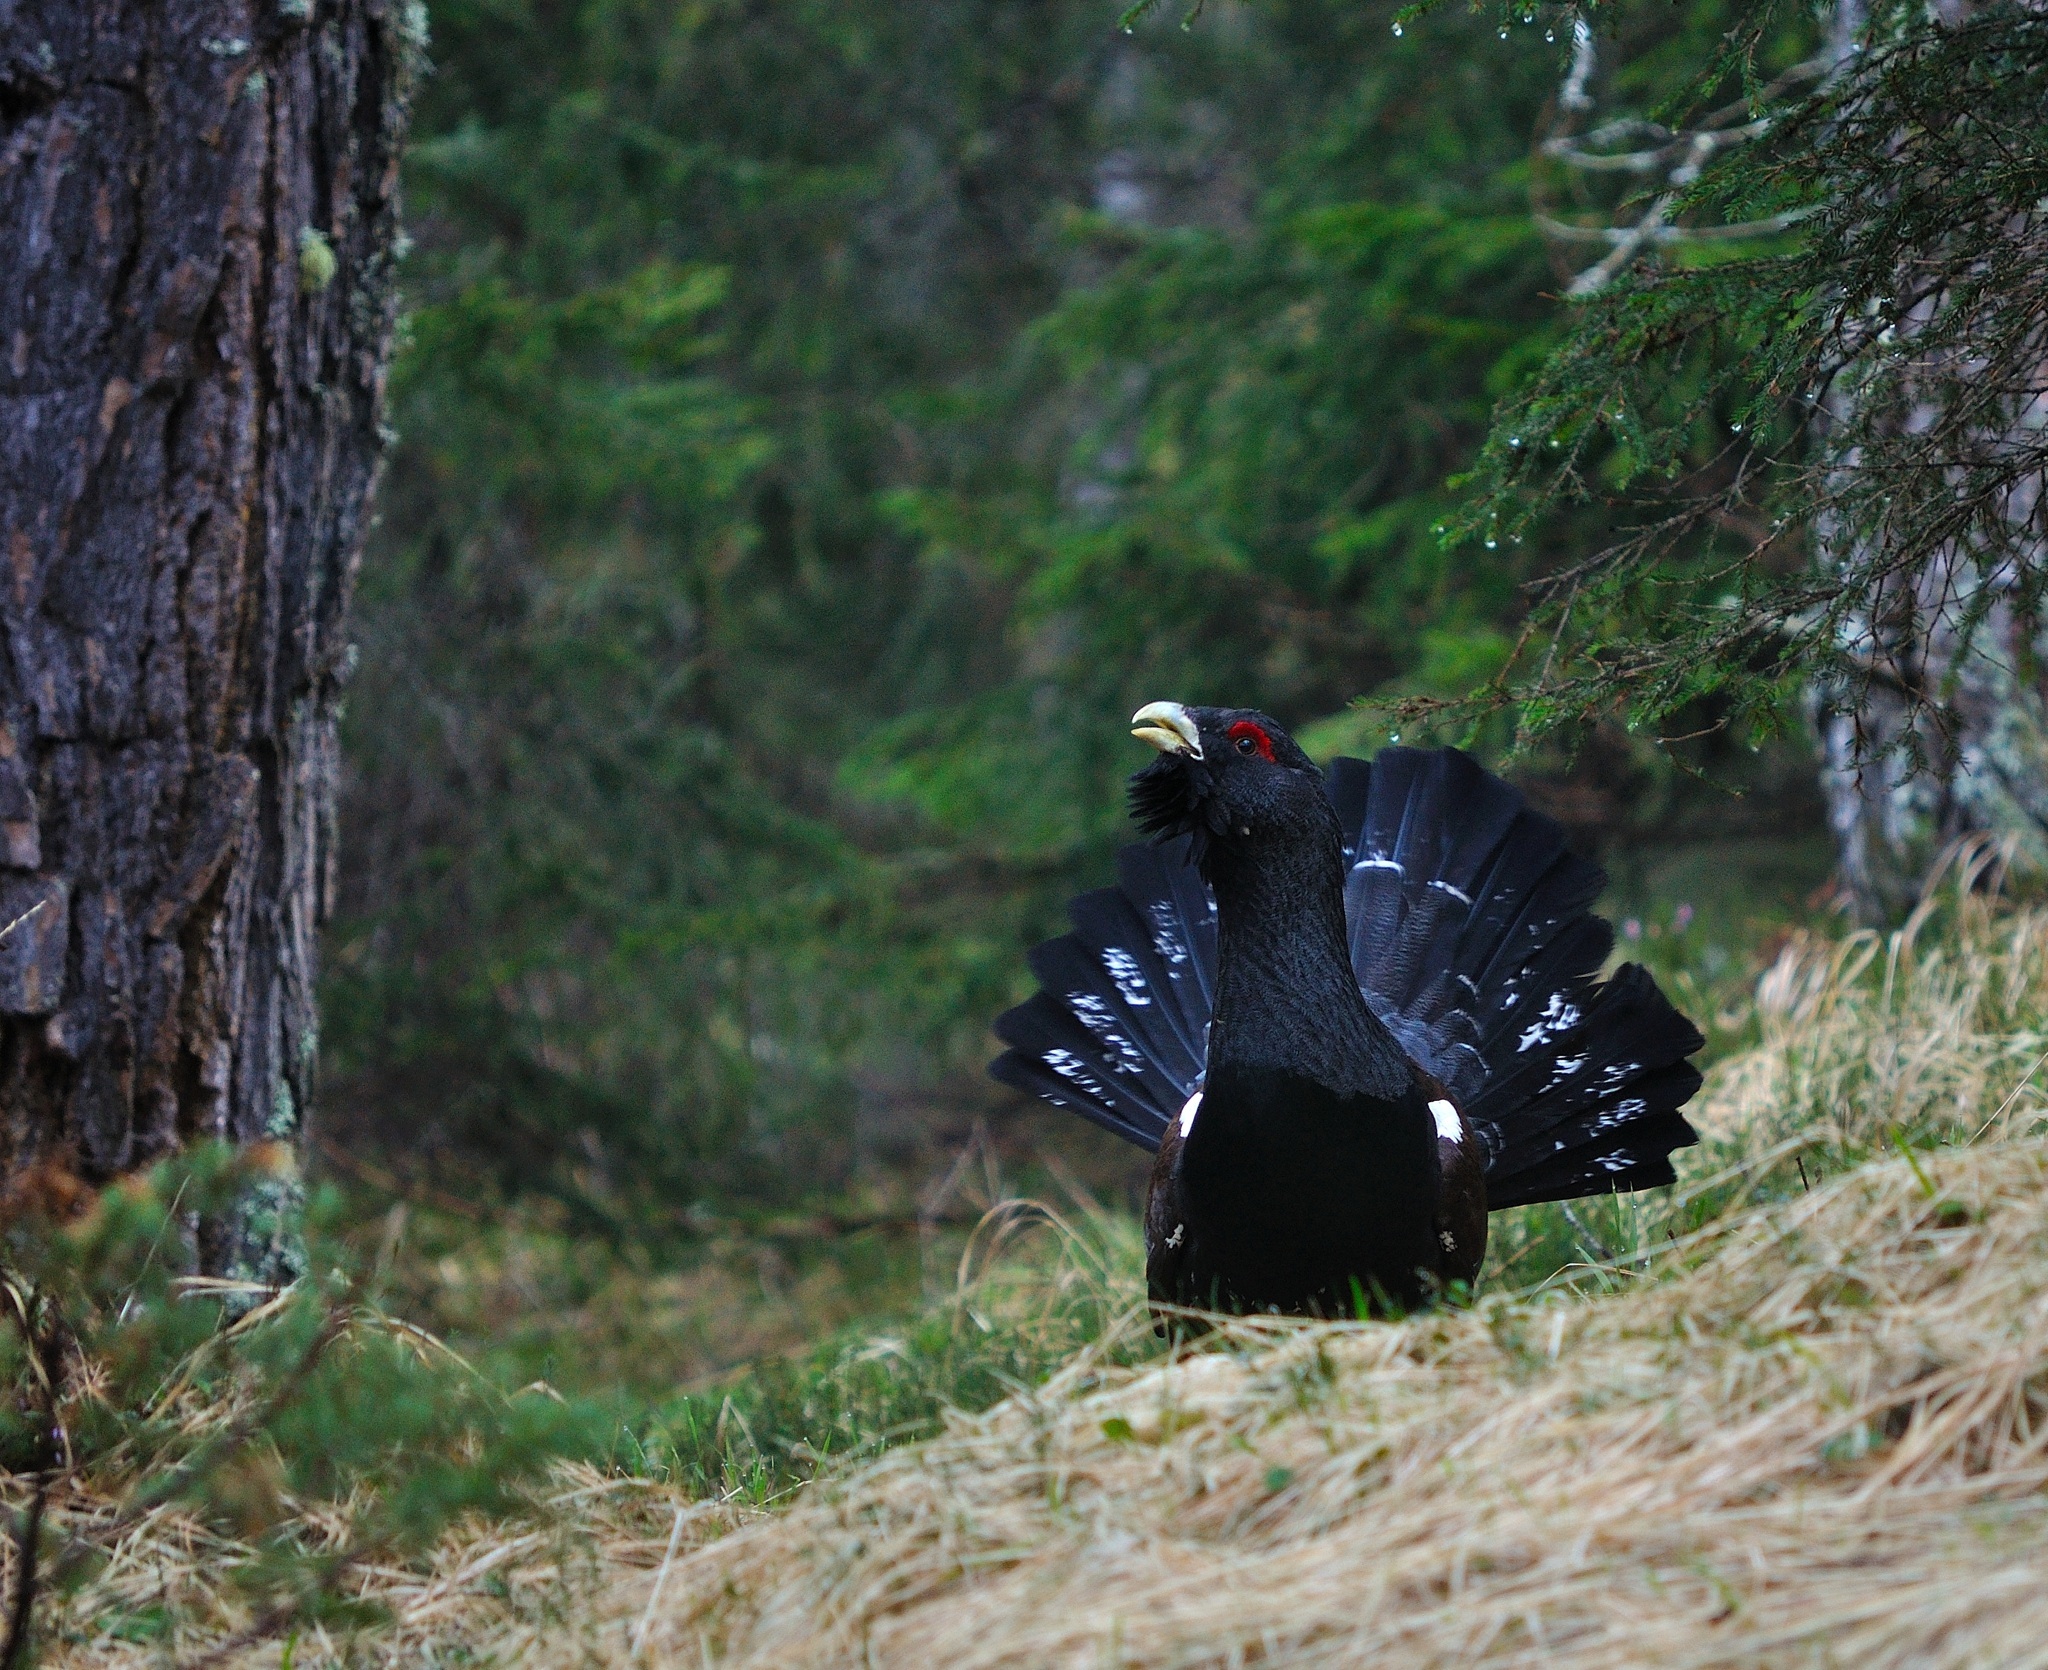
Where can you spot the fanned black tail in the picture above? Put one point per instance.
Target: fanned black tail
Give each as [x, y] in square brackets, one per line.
[1473, 939]
[1121, 1027]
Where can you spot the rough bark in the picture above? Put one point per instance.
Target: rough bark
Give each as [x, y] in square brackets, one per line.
[198, 202]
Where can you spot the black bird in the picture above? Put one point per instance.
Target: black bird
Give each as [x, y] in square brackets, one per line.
[1351, 1017]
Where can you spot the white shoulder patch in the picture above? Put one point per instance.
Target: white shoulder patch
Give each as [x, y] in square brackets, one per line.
[1447, 1123]
[1187, 1114]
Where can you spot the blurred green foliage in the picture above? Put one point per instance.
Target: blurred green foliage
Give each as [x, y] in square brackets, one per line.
[819, 428]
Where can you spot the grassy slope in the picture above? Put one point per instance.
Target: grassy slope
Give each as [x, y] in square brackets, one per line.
[1823, 1436]
[1779, 1424]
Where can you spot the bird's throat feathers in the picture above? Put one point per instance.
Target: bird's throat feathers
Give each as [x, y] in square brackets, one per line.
[1287, 998]
[1176, 795]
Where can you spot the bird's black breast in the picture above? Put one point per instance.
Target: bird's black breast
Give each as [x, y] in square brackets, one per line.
[1286, 1195]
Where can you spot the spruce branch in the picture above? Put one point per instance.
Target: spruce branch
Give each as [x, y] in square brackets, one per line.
[1812, 454]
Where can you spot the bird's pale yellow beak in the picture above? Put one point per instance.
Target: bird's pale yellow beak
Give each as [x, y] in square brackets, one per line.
[1168, 727]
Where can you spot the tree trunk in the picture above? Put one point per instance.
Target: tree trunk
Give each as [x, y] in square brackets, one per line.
[1954, 743]
[198, 201]
[1946, 735]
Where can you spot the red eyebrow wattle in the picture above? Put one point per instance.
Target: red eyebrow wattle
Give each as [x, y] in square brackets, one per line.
[1244, 727]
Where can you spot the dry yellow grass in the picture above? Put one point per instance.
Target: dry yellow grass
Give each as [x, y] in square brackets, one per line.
[1938, 1027]
[1822, 1443]
[1816, 1433]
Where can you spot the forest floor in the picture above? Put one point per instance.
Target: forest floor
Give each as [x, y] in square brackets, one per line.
[1815, 1435]
[1797, 1413]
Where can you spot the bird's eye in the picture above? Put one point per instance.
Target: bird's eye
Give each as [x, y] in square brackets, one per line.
[1249, 739]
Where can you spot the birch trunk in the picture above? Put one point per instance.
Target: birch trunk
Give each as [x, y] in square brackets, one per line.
[1946, 733]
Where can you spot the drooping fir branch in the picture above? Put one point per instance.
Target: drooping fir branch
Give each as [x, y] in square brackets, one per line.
[1817, 452]
[1641, 153]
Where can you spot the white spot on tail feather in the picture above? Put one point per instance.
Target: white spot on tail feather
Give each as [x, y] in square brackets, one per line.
[1166, 938]
[1095, 1014]
[1070, 1066]
[1559, 1016]
[1129, 977]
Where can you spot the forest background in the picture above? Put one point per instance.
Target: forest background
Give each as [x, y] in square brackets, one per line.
[812, 430]
[818, 427]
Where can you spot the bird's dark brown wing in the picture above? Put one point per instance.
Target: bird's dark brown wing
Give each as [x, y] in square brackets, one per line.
[1461, 1205]
[1166, 1235]
[1461, 1190]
